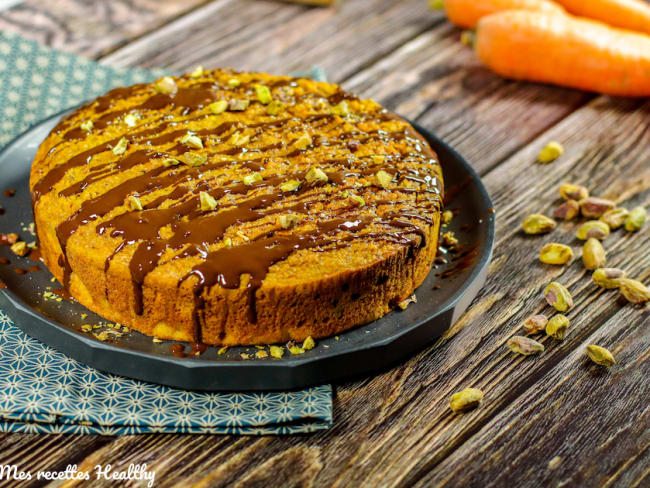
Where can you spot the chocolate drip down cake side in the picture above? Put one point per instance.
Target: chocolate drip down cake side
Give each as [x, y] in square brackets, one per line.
[236, 208]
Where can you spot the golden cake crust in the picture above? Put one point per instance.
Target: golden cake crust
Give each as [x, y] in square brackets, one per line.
[253, 211]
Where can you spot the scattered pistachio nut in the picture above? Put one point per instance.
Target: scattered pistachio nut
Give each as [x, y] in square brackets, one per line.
[218, 107]
[406, 302]
[288, 221]
[296, 350]
[608, 278]
[166, 85]
[592, 207]
[131, 120]
[447, 216]
[316, 175]
[569, 191]
[20, 248]
[263, 94]
[290, 185]
[120, 147]
[192, 141]
[635, 219]
[615, 217]
[87, 126]
[555, 253]
[558, 296]
[208, 202]
[303, 141]
[197, 73]
[222, 350]
[633, 290]
[170, 162]
[308, 343]
[550, 152]
[569, 210]
[238, 105]
[341, 109]
[261, 354]
[592, 228]
[538, 224]
[238, 139]
[358, 200]
[557, 326]
[383, 178]
[448, 239]
[195, 159]
[276, 351]
[133, 203]
[535, 324]
[600, 355]
[275, 107]
[252, 178]
[234, 82]
[593, 254]
[465, 400]
[524, 345]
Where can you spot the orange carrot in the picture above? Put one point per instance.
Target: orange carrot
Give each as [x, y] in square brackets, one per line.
[626, 14]
[466, 13]
[565, 50]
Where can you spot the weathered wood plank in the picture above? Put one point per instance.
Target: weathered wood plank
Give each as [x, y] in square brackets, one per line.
[90, 28]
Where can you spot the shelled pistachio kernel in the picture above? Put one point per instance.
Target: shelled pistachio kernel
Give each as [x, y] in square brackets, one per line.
[554, 253]
[600, 355]
[20, 248]
[290, 185]
[234, 82]
[524, 345]
[568, 210]
[357, 200]
[341, 109]
[557, 326]
[538, 224]
[120, 147]
[238, 105]
[447, 216]
[170, 162]
[238, 139]
[558, 296]
[288, 221]
[465, 400]
[131, 120]
[635, 219]
[166, 85]
[633, 290]
[593, 207]
[133, 203]
[569, 191]
[293, 349]
[192, 140]
[275, 107]
[592, 228]
[303, 141]
[195, 159]
[208, 202]
[383, 178]
[276, 351]
[261, 354]
[608, 278]
[449, 239]
[535, 324]
[197, 73]
[593, 254]
[615, 217]
[263, 94]
[218, 107]
[550, 152]
[308, 343]
[252, 178]
[87, 126]
[316, 175]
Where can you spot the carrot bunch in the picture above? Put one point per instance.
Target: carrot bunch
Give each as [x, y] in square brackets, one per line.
[595, 45]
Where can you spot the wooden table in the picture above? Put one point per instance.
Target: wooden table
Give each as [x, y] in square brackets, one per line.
[552, 420]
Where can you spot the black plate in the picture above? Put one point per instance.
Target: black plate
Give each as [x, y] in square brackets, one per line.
[360, 350]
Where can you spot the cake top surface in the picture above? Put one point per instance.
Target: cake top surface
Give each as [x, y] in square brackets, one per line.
[219, 177]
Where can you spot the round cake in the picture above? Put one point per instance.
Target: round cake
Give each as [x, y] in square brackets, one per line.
[236, 208]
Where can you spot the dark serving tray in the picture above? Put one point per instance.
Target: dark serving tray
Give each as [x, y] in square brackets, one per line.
[442, 298]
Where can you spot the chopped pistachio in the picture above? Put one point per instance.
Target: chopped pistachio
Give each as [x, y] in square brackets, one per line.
[156, 340]
[296, 350]
[207, 201]
[569, 191]
[303, 141]
[608, 278]
[238, 105]
[593, 254]
[276, 351]
[383, 178]
[615, 217]
[558, 296]
[133, 203]
[192, 140]
[131, 120]
[538, 224]
[222, 350]
[593, 207]
[197, 73]
[170, 162]
[120, 147]
[239, 139]
[233, 82]
[252, 178]
[244, 356]
[535, 324]
[592, 228]
[447, 216]
[557, 326]
[465, 400]
[308, 343]
[524, 345]
[449, 239]
[635, 219]
[166, 85]
[261, 354]
[405, 303]
[290, 185]
[20, 248]
[550, 152]
[600, 355]
[341, 109]
[87, 126]
[567, 211]
[195, 159]
[633, 290]
[358, 200]
[227, 242]
[275, 107]
[218, 107]
[263, 94]
[554, 253]
[316, 175]
[288, 221]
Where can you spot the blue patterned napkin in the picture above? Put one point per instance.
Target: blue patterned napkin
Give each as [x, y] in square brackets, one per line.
[41, 389]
